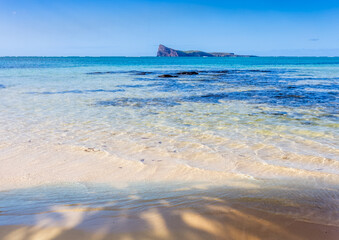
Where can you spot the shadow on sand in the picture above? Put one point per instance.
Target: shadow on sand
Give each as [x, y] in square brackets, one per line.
[87, 211]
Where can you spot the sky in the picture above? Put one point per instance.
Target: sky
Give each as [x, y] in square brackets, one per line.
[136, 28]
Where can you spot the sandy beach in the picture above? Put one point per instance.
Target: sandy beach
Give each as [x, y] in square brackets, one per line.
[183, 203]
[216, 221]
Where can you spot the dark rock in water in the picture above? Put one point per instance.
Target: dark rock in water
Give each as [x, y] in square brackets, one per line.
[100, 73]
[288, 96]
[94, 73]
[188, 73]
[257, 70]
[142, 73]
[167, 76]
[234, 71]
[164, 51]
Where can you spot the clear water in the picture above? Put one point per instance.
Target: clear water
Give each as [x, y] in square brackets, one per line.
[273, 120]
[261, 106]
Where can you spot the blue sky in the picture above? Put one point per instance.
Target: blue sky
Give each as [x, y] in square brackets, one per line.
[135, 28]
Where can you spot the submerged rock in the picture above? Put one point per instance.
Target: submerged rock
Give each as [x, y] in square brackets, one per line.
[258, 70]
[188, 73]
[143, 73]
[100, 73]
[167, 76]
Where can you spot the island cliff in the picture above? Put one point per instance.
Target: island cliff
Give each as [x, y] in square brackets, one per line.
[164, 51]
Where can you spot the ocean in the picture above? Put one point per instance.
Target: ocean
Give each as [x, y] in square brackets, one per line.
[109, 134]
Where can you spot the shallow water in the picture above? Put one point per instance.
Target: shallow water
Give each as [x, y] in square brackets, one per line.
[265, 121]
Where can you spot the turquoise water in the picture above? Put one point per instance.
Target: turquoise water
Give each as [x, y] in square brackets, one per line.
[288, 106]
[254, 101]
[273, 122]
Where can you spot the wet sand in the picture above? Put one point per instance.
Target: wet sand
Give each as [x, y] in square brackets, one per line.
[174, 202]
[214, 221]
[33, 164]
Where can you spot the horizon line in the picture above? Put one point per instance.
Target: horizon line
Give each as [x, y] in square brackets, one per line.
[64, 56]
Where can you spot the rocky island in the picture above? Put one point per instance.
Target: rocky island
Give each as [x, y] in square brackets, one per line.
[164, 51]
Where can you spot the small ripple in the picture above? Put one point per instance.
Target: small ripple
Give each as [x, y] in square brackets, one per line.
[139, 102]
